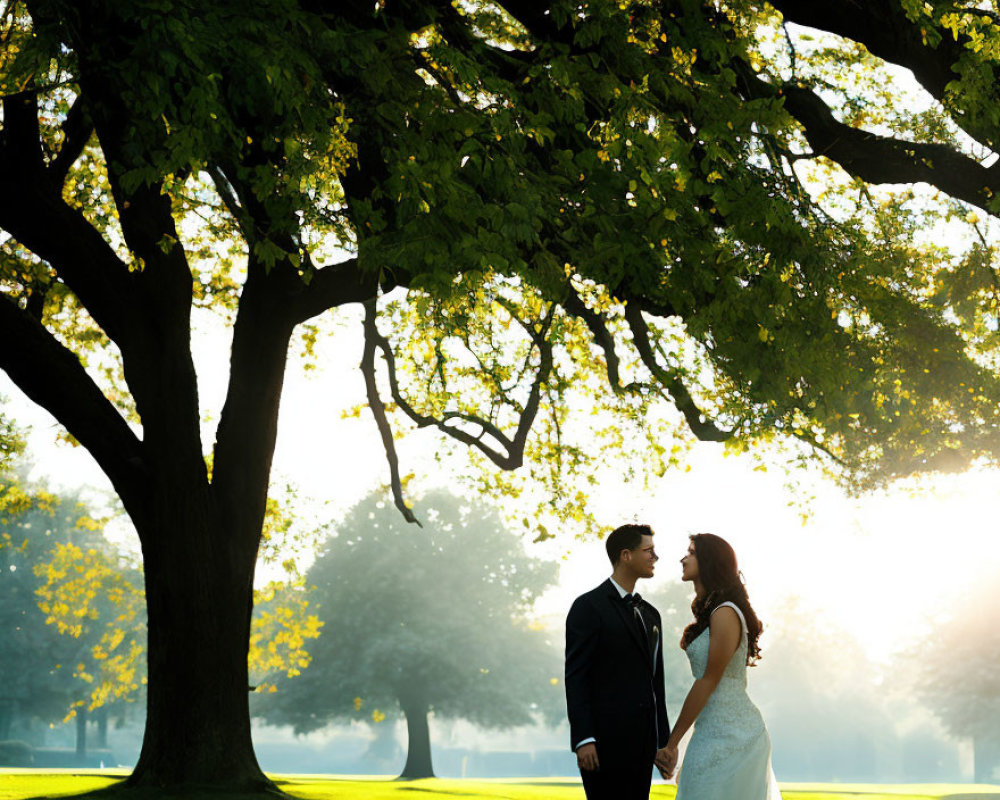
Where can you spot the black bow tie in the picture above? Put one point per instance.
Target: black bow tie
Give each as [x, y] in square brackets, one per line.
[633, 599]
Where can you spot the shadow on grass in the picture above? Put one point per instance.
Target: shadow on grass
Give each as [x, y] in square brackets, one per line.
[119, 790]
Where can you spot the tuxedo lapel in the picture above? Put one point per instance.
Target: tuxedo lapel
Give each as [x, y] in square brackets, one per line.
[654, 634]
[627, 617]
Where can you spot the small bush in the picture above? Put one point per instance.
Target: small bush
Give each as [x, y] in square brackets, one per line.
[16, 754]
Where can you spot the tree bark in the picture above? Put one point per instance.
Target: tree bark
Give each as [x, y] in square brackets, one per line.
[199, 584]
[418, 750]
[102, 728]
[81, 733]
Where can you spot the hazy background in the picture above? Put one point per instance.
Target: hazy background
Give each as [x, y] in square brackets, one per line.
[852, 590]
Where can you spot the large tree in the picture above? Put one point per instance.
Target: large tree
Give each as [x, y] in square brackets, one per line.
[424, 622]
[602, 199]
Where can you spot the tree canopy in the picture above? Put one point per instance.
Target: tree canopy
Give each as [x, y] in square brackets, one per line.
[426, 621]
[663, 211]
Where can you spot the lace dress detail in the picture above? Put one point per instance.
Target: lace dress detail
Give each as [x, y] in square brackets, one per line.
[729, 755]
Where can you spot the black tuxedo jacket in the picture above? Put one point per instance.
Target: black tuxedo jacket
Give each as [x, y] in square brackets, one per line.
[614, 684]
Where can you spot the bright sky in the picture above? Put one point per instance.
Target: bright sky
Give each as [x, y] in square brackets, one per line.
[863, 562]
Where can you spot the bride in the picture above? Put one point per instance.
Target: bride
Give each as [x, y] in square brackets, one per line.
[729, 755]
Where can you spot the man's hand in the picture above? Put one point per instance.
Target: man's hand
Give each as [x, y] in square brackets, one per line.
[586, 757]
[666, 761]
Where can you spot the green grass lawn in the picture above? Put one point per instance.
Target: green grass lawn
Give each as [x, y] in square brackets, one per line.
[26, 784]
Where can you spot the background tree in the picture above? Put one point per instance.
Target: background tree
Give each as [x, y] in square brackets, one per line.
[821, 683]
[283, 615]
[91, 596]
[427, 621]
[601, 202]
[73, 613]
[31, 686]
[969, 707]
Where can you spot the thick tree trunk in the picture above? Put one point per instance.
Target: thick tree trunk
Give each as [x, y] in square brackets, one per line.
[200, 538]
[199, 581]
[102, 728]
[418, 750]
[81, 733]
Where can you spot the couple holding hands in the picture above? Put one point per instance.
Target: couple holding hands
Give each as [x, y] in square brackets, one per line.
[614, 680]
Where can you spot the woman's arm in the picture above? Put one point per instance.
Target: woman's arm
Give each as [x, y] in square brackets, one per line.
[724, 638]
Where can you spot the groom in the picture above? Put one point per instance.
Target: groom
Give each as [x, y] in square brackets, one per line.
[614, 675]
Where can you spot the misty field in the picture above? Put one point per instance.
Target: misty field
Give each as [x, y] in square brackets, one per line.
[29, 784]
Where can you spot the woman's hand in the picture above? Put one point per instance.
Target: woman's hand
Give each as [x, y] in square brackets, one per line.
[666, 761]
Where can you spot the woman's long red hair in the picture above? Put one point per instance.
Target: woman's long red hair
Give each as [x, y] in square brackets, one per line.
[720, 575]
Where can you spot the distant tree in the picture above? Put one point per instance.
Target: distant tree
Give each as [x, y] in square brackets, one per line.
[957, 674]
[92, 598]
[429, 620]
[815, 682]
[31, 686]
[282, 619]
[57, 568]
[72, 613]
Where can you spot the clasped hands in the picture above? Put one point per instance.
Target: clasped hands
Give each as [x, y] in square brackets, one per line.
[666, 761]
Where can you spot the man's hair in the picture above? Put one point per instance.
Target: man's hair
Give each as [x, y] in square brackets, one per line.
[625, 537]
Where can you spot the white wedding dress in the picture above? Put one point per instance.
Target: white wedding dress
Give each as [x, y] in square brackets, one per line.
[729, 755]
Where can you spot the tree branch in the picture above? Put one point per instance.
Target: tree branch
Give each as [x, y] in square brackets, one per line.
[52, 376]
[381, 419]
[227, 193]
[248, 424]
[514, 446]
[331, 286]
[20, 137]
[604, 339]
[77, 130]
[85, 262]
[537, 19]
[511, 65]
[31, 208]
[884, 29]
[35, 304]
[882, 159]
[427, 63]
[699, 423]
